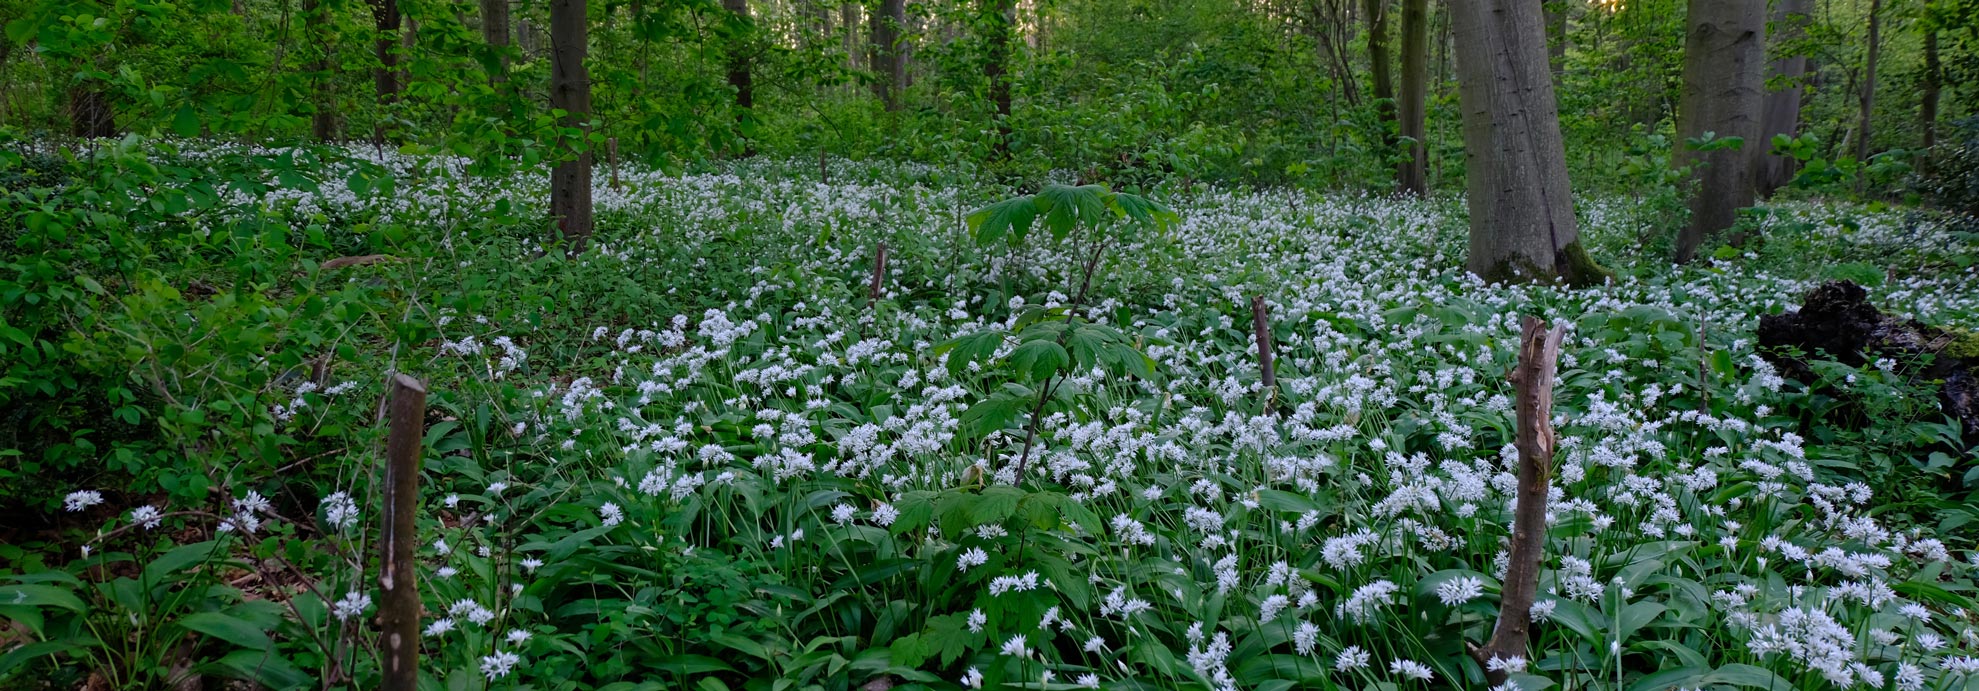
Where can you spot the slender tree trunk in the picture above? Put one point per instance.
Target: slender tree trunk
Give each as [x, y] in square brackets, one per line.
[740, 77]
[322, 75]
[1521, 204]
[887, 52]
[996, 68]
[1556, 40]
[1376, 13]
[385, 15]
[1723, 86]
[1927, 103]
[1412, 177]
[570, 91]
[1781, 112]
[90, 113]
[495, 31]
[848, 21]
[1869, 79]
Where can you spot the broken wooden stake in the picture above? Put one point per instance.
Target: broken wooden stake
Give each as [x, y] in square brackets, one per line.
[1261, 323]
[398, 613]
[611, 154]
[1539, 354]
[879, 274]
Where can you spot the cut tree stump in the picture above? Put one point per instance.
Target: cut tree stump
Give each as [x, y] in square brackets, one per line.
[1836, 321]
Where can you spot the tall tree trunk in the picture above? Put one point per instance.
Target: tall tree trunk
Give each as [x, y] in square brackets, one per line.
[739, 76]
[1723, 86]
[1781, 112]
[570, 91]
[1556, 40]
[1521, 204]
[1376, 13]
[887, 53]
[495, 31]
[1927, 102]
[848, 22]
[385, 15]
[1869, 78]
[90, 114]
[322, 87]
[1412, 177]
[996, 68]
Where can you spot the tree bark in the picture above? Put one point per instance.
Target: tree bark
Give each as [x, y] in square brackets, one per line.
[1521, 204]
[887, 55]
[385, 16]
[1723, 86]
[1539, 354]
[1376, 13]
[740, 77]
[1869, 79]
[90, 113]
[495, 31]
[570, 91]
[1412, 177]
[996, 68]
[322, 75]
[1781, 112]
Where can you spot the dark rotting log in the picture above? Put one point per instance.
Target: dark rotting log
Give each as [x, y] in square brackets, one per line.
[1837, 322]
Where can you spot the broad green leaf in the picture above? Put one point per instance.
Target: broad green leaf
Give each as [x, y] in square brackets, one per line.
[227, 628]
[41, 596]
[1040, 359]
[1010, 218]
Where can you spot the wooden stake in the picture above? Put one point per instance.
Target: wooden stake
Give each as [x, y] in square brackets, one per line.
[611, 153]
[1261, 323]
[1539, 354]
[879, 274]
[398, 614]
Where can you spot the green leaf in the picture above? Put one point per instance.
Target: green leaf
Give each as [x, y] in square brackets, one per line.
[1010, 218]
[186, 122]
[41, 596]
[1040, 359]
[1747, 676]
[227, 628]
[976, 347]
[177, 558]
[991, 414]
[24, 654]
[265, 668]
[995, 504]
[692, 664]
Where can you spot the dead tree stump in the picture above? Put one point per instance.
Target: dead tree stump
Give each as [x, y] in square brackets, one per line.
[1836, 321]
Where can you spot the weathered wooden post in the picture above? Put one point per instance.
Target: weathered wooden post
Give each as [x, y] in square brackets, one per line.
[1261, 323]
[611, 153]
[879, 274]
[1539, 354]
[397, 574]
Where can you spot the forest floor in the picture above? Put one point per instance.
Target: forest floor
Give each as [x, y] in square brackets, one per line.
[702, 454]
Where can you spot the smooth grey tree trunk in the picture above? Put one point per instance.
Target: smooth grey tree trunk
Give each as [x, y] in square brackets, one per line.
[1412, 177]
[1521, 204]
[888, 58]
[1786, 82]
[495, 31]
[1375, 12]
[1869, 79]
[1723, 87]
[570, 91]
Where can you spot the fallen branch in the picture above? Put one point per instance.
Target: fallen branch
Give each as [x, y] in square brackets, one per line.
[1539, 354]
[360, 260]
